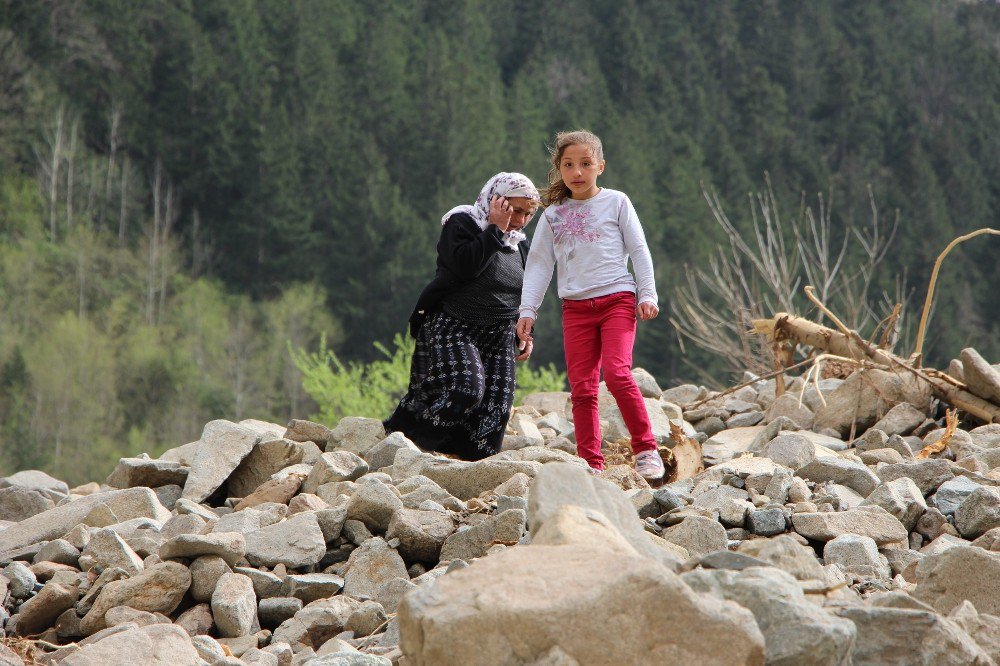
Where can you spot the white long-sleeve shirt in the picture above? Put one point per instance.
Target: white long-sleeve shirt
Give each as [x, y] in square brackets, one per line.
[590, 243]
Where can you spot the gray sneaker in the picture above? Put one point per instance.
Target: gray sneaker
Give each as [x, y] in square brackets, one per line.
[649, 464]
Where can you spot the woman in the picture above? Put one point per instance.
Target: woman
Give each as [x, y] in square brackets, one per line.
[462, 377]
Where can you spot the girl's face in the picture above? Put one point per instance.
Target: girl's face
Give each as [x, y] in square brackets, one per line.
[579, 170]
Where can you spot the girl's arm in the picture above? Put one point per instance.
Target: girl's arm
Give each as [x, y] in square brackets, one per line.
[465, 250]
[538, 270]
[635, 245]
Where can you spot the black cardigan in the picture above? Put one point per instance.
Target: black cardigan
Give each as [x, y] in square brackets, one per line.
[463, 252]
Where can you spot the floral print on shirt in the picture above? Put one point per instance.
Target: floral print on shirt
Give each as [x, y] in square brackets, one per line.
[569, 225]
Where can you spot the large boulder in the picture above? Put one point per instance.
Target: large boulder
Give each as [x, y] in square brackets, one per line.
[946, 579]
[222, 447]
[627, 609]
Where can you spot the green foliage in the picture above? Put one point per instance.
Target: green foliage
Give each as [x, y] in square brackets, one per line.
[542, 379]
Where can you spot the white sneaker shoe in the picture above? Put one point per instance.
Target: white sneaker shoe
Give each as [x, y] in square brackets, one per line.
[649, 464]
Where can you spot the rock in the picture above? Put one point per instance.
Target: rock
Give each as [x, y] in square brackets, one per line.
[107, 550]
[960, 573]
[133, 472]
[299, 430]
[280, 491]
[205, 574]
[571, 524]
[421, 533]
[222, 447]
[473, 542]
[767, 522]
[367, 619]
[871, 521]
[266, 459]
[265, 584]
[728, 444]
[787, 554]
[230, 546]
[317, 622]
[384, 453]
[903, 636]
[234, 606]
[310, 587]
[730, 503]
[275, 610]
[698, 535]
[952, 493]
[858, 555]
[58, 551]
[155, 645]
[982, 627]
[335, 466]
[208, 649]
[356, 434]
[927, 474]
[123, 614]
[901, 419]
[863, 396]
[657, 618]
[787, 405]
[294, 542]
[982, 379]
[158, 589]
[40, 612]
[18, 503]
[197, 620]
[374, 504]
[466, 480]
[846, 472]
[979, 512]
[54, 523]
[790, 449]
[683, 395]
[795, 630]
[34, 479]
[902, 498]
[370, 566]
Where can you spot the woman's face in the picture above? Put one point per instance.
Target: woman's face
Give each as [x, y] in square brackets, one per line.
[521, 210]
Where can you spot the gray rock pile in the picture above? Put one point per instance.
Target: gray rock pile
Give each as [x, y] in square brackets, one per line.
[304, 545]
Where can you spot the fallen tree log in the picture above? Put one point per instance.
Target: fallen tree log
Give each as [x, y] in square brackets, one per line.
[784, 327]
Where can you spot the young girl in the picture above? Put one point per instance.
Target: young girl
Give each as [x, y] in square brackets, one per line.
[589, 233]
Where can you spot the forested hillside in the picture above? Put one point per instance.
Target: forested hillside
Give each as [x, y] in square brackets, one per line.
[189, 187]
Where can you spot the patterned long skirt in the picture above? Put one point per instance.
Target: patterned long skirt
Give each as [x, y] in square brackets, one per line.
[461, 388]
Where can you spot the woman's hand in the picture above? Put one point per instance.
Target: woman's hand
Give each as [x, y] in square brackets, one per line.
[648, 311]
[524, 325]
[525, 346]
[500, 212]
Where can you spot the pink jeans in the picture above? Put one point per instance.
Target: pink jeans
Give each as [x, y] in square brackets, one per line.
[600, 332]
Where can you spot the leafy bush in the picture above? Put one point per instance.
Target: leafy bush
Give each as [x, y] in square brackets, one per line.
[373, 389]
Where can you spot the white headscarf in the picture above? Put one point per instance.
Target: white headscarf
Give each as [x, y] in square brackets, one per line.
[501, 185]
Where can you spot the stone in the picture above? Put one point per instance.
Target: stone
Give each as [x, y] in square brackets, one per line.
[871, 521]
[356, 434]
[767, 522]
[571, 524]
[728, 444]
[903, 636]
[123, 614]
[858, 555]
[197, 620]
[845, 472]
[158, 589]
[861, 398]
[59, 551]
[317, 622]
[266, 459]
[788, 405]
[790, 449]
[222, 447]
[473, 542]
[730, 503]
[230, 546]
[18, 503]
[697, 534]
[273, 611]
[374, 504]
[108, 550]
[370, 566]
[952, 493]
[876, 456]
[982, 627]
[54, 523]
[312, 586]
[466, 480]
[133, 472]
[367, 619]
[982, 379]
[421, 534]
[979, 512]
[40, 612]
[683, 394]
[901, 419]
[155, 645]
[657, 620]
[280, 491]
[902, 498]
[785, 553]
[300, 430]
[960, 573]
[35, 480]
[927, 474]
[306, 502]
[795, 630]
[335, 466]
[234, 606]
[384, 453]
[295, 542]
[205, 574]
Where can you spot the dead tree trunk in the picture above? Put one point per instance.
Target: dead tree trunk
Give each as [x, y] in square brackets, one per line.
[785, 327]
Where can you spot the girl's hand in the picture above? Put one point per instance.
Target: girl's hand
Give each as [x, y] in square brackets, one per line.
[525, 346]
[524, 325]
[500, 212]
[648, 311]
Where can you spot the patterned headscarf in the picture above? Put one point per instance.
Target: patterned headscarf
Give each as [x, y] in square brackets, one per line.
[503, 185]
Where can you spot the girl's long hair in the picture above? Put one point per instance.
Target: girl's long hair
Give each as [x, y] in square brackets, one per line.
[558, 191]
